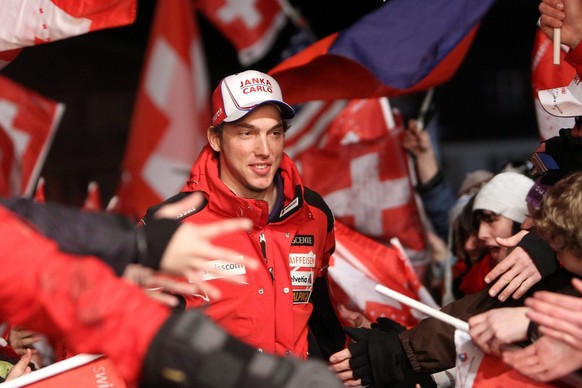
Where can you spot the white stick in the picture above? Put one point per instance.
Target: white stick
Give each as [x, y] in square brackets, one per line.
[455, 322]
[557, 38]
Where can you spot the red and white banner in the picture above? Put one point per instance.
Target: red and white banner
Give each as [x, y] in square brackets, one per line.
[28, 122]
[546, 75]
[172, 111]
[31, 22]
[368, 187]
[83, 370]
[310, 125]
[360, 263]
[251, 26]
[478, 370]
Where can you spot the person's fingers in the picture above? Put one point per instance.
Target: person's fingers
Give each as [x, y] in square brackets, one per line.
[25, 342]
[502, 267]
[220, 253]
[566, 301]
[345, 375]
[163, 298]
[516, 281]
[560, 336]
[21, 367]
[502, 282]
[577, 283]
[353, 383]
[341, 356]
[551, 13]
[526, 285]
[512, 241]
[220, 228]
[187, 204]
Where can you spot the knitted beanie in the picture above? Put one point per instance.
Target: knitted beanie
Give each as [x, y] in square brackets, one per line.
[505, 194]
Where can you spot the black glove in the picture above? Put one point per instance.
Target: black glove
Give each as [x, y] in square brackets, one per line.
[388, 325]
[377, 355]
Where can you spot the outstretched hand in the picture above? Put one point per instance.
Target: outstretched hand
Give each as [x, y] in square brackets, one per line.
[191, 253]
[558, 316]
[517, 270]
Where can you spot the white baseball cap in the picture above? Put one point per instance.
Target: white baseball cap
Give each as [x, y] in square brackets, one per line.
[240, 93]
[565, 101]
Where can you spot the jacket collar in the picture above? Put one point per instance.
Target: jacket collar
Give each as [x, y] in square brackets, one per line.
[204, 177]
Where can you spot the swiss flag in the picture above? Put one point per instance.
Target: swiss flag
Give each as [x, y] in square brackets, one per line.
[83, 370]
[310, 125]
[360, 263]
[171, 114]
[31, 22]
[546, 75]
[251, 26]
[478, 370]
[361, 169]
[28, 122]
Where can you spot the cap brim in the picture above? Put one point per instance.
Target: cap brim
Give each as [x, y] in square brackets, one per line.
[560, 102]
[286, 111]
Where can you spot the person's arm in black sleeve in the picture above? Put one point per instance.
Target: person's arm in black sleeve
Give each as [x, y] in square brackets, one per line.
[113, 238]
[540, 253]
[323, 322]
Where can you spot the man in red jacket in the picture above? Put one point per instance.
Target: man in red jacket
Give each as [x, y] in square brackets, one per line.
[243, 172]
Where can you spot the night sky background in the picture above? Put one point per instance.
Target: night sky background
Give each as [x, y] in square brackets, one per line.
[97, 75]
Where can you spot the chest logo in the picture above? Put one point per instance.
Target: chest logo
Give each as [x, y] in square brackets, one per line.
[303, 240]
[302, 260]
[224, 268]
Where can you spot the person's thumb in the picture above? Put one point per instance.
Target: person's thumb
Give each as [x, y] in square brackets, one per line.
[510, 242]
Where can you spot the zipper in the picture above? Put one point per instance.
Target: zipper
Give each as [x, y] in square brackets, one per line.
[263, 242]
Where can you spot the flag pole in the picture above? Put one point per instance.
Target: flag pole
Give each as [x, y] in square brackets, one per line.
[557, 38]
[444, 317]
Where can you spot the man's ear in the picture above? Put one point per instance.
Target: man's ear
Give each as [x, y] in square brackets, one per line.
[213, 139]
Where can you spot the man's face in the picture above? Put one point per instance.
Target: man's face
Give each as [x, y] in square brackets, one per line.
[250, 152]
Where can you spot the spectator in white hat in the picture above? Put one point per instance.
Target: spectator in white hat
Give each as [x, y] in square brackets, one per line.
[500, 208]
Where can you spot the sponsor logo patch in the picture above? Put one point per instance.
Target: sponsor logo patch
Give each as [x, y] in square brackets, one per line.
[302, 259]
[303, 240]
[301, 296]
[292, 205]
[302, 278]
[225, 268]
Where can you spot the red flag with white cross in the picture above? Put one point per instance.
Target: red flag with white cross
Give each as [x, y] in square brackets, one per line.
[360, 263]
[252, 26]
[172, 111]
[31, 22]
[361, 169]
[28, 122]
